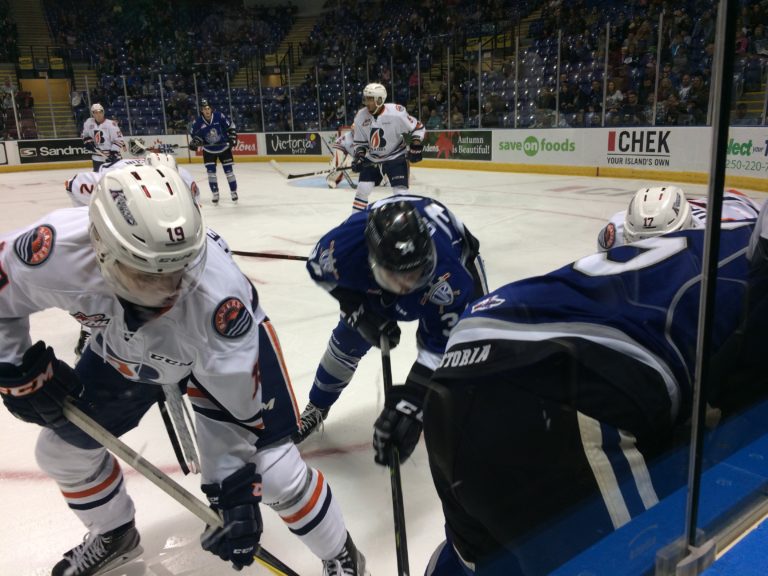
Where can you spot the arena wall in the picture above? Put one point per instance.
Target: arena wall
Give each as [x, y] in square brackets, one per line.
[679, 154]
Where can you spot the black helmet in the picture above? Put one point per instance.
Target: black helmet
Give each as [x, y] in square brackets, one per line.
[204, 103]
[401, 252]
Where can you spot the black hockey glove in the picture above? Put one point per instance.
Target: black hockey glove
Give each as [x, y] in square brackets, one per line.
[232, 137]
[359, 160]
[400, 422]
[414, 151]
[89, 144]
[113, 156]
[33, 392]
[195, 143]
[237, 499]
[371, 326]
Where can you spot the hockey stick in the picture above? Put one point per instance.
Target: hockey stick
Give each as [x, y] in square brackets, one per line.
[277, 168]
[401, 544]
[172, 436]
[268, 255]
[160, 479]
[318, 173]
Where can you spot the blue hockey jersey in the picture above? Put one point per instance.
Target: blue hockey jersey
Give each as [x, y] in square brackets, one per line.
[640, 299]
[213, 133]
[340, 260]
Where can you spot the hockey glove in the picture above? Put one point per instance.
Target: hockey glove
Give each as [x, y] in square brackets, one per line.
[195, 143]
[371, 326]
[414, 151]
[399, 424]
[33, 392]
[89, 144]
[113, 156]
[232, 137]
[237, 500]
[359, 160]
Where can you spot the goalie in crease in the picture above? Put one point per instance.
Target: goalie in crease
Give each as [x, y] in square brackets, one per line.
[342, 152]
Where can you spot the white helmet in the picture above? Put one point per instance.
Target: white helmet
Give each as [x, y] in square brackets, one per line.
[97, 108]
[375, 91]
[654, 211]
[148, 234]
[158, 160]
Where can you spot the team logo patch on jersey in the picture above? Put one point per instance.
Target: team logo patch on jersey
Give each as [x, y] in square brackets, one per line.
[36, 246]
[92, 320]
[607, 236]
[488, 303]
[232, 319]
[441, 293]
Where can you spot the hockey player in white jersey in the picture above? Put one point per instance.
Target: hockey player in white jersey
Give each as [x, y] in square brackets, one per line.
[655, 211]
[80, 187]
[102, 137]
[385, 137]
[167, 305]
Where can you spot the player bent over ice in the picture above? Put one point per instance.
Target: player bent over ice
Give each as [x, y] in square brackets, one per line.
[566, 387]
[167, 304]
[385, 138]
[654, 211]
[407, 258]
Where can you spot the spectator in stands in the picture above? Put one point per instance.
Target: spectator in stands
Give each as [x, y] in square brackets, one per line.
[672, 110]
[684, 92]
[632, 113]
[698, 101]
[6, 95]
[740, 117]
[457, 118]
[490, 118]
[434, 122]
[759, 41]
[614, 97]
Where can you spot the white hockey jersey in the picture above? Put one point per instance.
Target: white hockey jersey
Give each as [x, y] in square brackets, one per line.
[385, 135]
[736, 206]
[81, 186]
[211, 332]
[106, 136]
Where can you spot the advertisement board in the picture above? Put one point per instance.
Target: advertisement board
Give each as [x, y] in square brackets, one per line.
[560, 147]
[3, 155]
[458, 144]
[746, 153]
[294, 143]
[247, 145]
[61, 150]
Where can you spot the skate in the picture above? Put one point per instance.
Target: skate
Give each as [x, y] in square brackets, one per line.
[82, 341]
[311, 419]
[102, 552]
[234, 197]
[348, 562]
[215, 199]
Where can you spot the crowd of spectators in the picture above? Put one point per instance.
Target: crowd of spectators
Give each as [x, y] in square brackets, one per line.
[568, 71]
[8, 34]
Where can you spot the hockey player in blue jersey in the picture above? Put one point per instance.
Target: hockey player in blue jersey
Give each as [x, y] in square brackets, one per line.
[564, 387]
[216, 134]
[406, 258]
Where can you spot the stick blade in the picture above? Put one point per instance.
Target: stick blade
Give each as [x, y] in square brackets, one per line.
[278, 169]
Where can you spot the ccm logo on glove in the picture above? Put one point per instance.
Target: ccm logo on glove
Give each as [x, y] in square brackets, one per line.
[32, 386]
